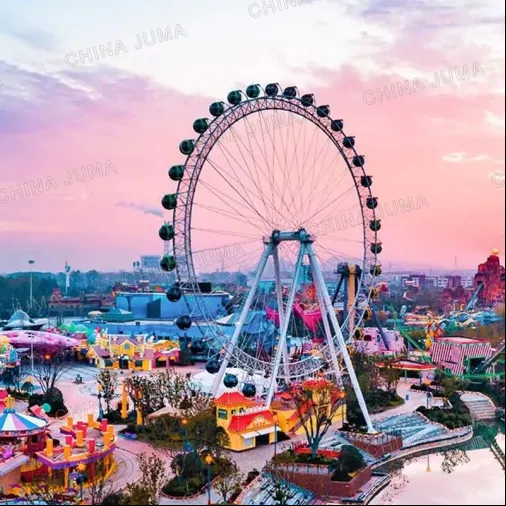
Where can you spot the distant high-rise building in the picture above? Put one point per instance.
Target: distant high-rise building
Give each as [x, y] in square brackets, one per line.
[150, 262]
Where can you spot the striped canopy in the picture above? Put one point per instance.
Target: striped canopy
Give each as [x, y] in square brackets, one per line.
[12, 423]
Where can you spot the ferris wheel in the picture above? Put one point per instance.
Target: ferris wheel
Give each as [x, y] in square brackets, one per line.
[271, 198]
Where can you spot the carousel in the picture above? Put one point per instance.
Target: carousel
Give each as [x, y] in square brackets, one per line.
[21, 436]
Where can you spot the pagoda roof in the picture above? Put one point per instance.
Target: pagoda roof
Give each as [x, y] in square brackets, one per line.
[232, 400]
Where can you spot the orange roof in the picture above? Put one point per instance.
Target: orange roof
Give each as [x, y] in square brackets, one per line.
[232, 400]
[246, 421]
[314, 384]
[410, 365]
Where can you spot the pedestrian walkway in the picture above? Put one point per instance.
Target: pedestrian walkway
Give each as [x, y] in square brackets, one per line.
[480, 406]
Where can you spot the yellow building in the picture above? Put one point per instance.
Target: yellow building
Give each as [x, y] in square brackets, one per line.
[247, 424]
[122, 352]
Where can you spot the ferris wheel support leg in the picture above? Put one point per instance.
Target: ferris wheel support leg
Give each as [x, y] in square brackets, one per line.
[328, 332]
[281, 309]
[340, 339]
[284, 331]
[242, 319]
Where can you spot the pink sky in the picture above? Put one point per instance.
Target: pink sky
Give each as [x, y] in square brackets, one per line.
[137, 123]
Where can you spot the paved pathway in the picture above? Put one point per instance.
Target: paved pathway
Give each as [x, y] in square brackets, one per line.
[82, 399]
[416, 399]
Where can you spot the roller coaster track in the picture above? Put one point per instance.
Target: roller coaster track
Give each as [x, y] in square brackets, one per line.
[497, 452]
[488, 434]
[474, 298]
[408, 338]
[485, 365]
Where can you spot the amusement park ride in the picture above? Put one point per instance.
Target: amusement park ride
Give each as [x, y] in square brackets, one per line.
[274, 191]
[271, 190]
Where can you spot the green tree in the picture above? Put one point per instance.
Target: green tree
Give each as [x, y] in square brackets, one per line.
[450, 388]
[350, 460]
[108, 381]
[229, 481]
[153, 477]
[279, 473]
[390, 375]
[50, 366]
[317, 403]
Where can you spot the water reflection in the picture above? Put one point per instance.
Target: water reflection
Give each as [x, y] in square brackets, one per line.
[466, 475]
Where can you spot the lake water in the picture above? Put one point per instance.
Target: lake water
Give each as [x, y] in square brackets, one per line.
[467, 475]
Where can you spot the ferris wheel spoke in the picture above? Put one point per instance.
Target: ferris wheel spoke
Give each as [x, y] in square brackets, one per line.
[225, 232]
[221, 196]
[271, 167]
[314, 186]
[302, 171]
[334, 201]
[313, 144]
[269, 172]
[331, 182]
[249, 204]
[228, 214]
[248, 172]
[289, 214]
[326, 180]
[338, 223]
[286, 169]
[296, 193]
[269, 206]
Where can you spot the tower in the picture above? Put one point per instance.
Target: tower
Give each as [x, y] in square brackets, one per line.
[67, 277]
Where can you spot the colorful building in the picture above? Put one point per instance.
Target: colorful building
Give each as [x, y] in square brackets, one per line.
[372, 342]
[136, 353]
[247, 423]
[30, 453]
[423, 370]
[21, 436]
[250, 424]
[491, 276]
[86, 445]
[460, 355]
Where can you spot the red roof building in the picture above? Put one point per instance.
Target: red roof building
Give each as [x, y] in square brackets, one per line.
[253, 419]
[233, 400]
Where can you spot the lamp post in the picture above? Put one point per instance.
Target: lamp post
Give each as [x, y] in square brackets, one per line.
[80, 478]
[100, 409]
[209, 460]
[184, 423]
[31, 262]
[31, 349]
[428, 394]
[276, 420]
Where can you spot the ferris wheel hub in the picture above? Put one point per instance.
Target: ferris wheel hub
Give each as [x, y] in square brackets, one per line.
[279, 236]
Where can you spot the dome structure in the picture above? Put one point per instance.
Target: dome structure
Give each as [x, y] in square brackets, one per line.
[16, 425]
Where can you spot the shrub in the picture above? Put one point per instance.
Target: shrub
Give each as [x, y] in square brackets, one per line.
[252, 475]
[455, 418]
[114, 498]
[194, 485]
[113, 417]
[180, 488]
[350, 460]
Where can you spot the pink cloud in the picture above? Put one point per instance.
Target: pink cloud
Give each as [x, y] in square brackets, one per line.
[137, 126]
